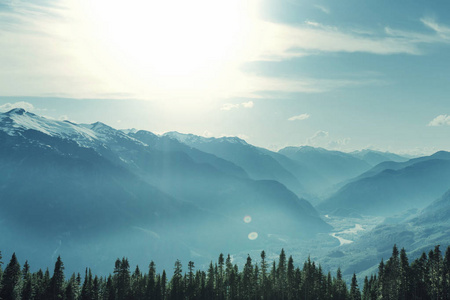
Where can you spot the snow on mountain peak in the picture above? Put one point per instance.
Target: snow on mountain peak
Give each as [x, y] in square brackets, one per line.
[17, 111]
[17, 120]
[191, 138]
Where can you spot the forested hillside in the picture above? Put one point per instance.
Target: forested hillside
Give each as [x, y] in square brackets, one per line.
[427, 277]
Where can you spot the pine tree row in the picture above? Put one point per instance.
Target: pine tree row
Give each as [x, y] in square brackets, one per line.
[428, 277]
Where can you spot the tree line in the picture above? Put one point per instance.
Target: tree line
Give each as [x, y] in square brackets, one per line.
[427, 277]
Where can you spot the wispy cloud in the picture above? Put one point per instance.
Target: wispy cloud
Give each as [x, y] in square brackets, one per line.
[442, 30]
[39, 57]
[322, 139]
[299, 117]
[323, 8]
[285, 41]
[440, 120]
[230, 106]
[21, 104]
[248, 104]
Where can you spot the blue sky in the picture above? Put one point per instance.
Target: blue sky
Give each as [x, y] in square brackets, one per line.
[342, 75]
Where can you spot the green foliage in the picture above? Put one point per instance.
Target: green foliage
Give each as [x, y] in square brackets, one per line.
[11, 280]
[427, 277]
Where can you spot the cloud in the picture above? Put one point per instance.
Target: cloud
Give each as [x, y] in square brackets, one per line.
[442, 30]
[207, 134]
[39, 58]
[21, 104]
[440, 120]
[248, 104]
[243, 136]
[323, 8]
[230, 106]
[299, 117]
[317, 138]
[322, 139]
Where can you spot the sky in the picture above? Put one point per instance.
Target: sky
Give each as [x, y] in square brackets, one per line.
[343, 75]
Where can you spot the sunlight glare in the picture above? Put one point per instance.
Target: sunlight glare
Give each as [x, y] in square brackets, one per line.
[174, 37]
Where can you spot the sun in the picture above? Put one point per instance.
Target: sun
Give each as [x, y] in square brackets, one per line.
[175, 42]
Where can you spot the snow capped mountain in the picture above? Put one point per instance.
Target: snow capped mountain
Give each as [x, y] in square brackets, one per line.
[191, 138]
[16, 121]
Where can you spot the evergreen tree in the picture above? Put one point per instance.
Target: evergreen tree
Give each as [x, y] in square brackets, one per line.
[263, 279]
[27, 287]
[56, 290]
[247, 279]
[163, 285]
[95, 289]
[405, 277]
[281, 275]
[70, 292]
[210, 282]
[151, 285]
[110, 291]
[87, 288]
[354, 290]
[446, 275]
[11, 280]
[340, 287]
[1, 270]
[290, 278]
[176, 284]
[220, 278]
[122, 278]
[435, 270]
[392, 275]
[191, 281]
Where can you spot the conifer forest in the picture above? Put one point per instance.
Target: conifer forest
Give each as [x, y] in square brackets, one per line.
[427, 277]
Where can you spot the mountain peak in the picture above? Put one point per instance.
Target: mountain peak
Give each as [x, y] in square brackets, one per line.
[16, 111]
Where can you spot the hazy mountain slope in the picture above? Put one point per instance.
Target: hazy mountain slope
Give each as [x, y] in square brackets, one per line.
[167, 144]
[313, 183]
[375, 157]
[90, 188]
[392, 191]
[334, 166]
[393, 165]
[416, 234]
[257, 164]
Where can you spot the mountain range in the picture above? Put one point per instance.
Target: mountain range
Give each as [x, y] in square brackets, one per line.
[92, 193]
[72, 184]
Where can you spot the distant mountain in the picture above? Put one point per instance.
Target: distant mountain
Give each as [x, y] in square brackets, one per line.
[392, 187]
[314, 185]
[167, 144]
[92, 192]
[334, 166]
[373, 157]
[258, 164]
[393, 165]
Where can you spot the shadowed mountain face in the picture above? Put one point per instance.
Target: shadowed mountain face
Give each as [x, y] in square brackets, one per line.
[391, 187]
[374, 158]
[94, 193]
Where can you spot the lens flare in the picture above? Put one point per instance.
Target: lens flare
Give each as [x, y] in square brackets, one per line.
[252, 236]
[247, 219]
